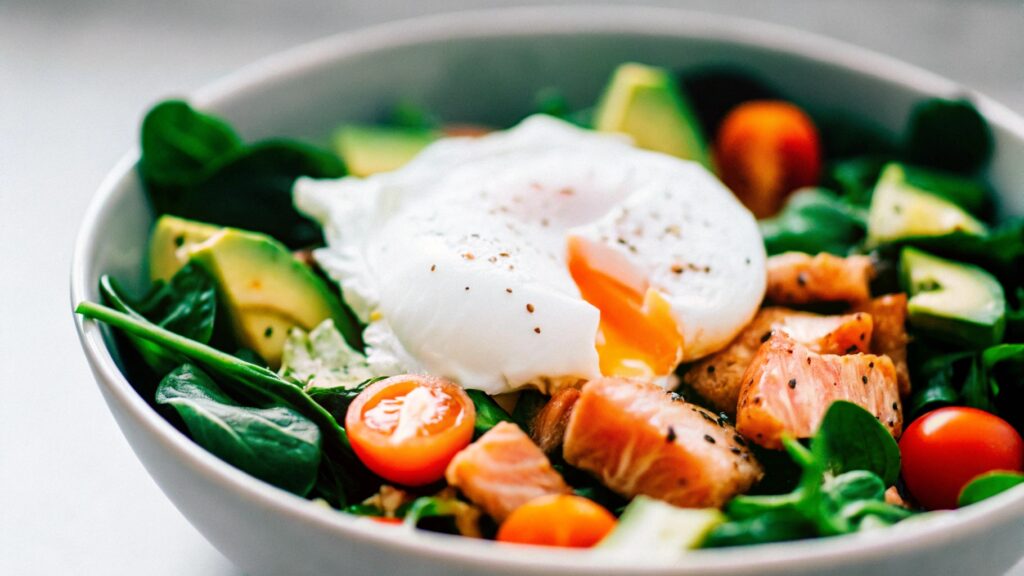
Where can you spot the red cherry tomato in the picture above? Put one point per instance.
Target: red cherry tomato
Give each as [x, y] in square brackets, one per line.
[408, 428]
[765, 150]
[945, 449]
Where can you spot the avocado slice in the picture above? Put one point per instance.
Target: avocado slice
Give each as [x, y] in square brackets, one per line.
[901, 211]
[952, 301]
[266, 292]
[369, 150]
[645, 102]
[170, 242]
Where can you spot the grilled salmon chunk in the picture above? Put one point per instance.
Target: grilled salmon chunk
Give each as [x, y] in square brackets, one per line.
[890, 335]
[787, 389]
[503, 470]
[638, 439]
[798, 278]
[719, 377]
[548, 427]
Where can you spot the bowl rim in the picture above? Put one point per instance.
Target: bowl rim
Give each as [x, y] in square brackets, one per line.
[919, 534]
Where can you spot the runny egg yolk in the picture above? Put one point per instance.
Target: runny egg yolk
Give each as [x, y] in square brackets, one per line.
[637, 336]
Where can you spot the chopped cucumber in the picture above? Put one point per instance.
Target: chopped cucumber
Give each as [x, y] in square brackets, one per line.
[652, 528]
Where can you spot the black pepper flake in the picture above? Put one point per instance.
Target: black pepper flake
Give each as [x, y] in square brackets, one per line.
[671, 435]
[706, 417]
[537, 329]
[711, 369]
[871, 365]
[766, 336]
[179, 241]
[509, 290]
[808, 360]
[895, 406]
[433, 267]
[851, 349]
[467, 288]
[268, 332]
[709, 439]
[864, 379]
[677, 268]
[739, 440]
[801, 279]
[529, 308]
[503, 254]
[735, 451]
[861, 336]
[792, 383]
[747, 260]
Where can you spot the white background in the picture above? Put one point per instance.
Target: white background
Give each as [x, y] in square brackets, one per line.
[76, 77]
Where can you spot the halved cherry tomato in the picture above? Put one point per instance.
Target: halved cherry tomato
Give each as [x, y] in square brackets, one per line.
[947, 448]
[557, 520]
[408, 428]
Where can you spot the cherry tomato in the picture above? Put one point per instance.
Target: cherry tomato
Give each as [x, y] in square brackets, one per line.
[408, 428]
[557, 520]
[766, 149]
[947, 448]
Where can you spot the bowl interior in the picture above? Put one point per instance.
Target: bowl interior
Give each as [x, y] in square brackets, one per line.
[488, 70]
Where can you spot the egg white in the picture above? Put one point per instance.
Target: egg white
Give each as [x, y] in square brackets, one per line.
[457, 261]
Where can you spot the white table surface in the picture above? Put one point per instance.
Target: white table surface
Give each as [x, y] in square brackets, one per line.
[76, 77]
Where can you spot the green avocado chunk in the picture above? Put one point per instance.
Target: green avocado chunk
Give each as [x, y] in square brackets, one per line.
[368, 150]
[266, 291]
[170, 242]
[952, 301]
[901, 211]
[645, 102]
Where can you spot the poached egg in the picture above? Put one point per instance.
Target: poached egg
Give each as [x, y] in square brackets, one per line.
[540, 256]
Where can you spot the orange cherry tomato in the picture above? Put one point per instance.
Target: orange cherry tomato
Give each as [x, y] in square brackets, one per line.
[557, 520]
[947, 448]
[764, 150]
[408, 428]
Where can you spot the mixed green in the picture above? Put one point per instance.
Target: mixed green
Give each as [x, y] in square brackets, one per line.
[244, 344]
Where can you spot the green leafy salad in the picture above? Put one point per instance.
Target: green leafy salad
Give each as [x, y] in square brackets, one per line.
[694, 314]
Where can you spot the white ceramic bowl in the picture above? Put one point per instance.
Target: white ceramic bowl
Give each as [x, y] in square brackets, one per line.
[486, 66]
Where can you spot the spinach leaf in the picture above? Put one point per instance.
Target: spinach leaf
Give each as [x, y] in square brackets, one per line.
[850, 438]
[181, 145]
[277, 444]
[855, 178]
[336, 400]
[841, 490]
[772, 526]
[988, 485]
[813, 221]
[193, 165]
[187, 305]
[488, 413]
[949, 135]
[251, 381]
[938, 388]
[252, 189]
